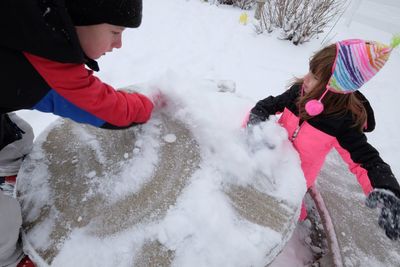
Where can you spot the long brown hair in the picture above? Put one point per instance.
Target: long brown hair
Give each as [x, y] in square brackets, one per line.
[337, 104]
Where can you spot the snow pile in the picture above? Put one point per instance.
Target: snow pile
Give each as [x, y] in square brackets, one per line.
[202, 228]
[215, 119]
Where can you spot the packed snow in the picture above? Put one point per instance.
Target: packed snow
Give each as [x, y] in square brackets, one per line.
[184, 49]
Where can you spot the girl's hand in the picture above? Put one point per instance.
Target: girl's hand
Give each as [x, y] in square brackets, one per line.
[254, 120]
[389, 219]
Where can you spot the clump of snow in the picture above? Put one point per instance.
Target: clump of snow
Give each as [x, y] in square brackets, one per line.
[170, 138]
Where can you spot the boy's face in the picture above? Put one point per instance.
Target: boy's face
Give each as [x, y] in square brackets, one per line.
[98, 39]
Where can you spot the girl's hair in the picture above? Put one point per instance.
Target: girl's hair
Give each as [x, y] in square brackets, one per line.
[321, 64]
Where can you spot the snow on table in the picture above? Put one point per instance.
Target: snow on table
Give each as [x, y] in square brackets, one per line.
[188, 188]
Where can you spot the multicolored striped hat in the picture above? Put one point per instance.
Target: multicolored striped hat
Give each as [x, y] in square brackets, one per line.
[357, 61]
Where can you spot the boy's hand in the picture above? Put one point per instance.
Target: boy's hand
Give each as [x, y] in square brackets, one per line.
[389, 219]
[158, 99]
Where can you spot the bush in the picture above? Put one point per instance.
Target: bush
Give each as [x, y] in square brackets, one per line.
[299, 20]
[243, 4]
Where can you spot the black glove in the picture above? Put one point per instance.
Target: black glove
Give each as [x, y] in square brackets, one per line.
[389, 219]
[254, 120]
[256, 140]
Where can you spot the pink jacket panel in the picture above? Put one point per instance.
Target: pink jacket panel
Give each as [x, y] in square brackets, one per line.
[313, 145]
[356, 169]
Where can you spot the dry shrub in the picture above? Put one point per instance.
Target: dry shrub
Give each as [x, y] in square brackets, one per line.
[299, 20]
[243, 4]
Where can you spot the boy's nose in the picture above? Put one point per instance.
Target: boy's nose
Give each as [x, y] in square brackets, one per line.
[118, 43]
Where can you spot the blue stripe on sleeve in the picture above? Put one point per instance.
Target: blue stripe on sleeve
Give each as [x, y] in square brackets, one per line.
[52, 102]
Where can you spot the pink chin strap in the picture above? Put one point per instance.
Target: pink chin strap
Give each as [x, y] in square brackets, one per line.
[315, 107]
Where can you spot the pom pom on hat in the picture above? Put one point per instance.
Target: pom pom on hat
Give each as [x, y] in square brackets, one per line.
[395, 41]
[357, 61]
[314, 107]
[125, 13]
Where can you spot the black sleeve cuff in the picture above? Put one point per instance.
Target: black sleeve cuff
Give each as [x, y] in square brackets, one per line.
[113, 127]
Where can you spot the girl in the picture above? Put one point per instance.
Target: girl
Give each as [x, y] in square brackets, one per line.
[324, 110]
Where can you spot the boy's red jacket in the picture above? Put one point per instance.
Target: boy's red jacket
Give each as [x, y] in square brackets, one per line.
[76, 93]
[42, 66]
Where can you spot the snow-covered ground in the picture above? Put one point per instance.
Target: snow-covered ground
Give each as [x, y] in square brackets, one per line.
[189, 41]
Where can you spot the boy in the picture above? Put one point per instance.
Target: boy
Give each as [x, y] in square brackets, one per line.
[44, 50]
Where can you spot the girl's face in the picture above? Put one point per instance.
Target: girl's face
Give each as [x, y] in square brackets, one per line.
[98, 39]
[310, 82]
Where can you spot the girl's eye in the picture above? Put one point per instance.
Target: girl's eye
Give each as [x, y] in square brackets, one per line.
[315, 77]
[115, 33]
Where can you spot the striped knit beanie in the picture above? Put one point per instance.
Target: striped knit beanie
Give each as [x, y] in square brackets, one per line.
[357, 61]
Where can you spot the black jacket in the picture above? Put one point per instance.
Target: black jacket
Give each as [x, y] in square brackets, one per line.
[40, 27]
[341, 127]
[46, 31]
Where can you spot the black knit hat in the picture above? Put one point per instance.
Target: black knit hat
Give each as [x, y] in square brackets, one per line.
[126, 13]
